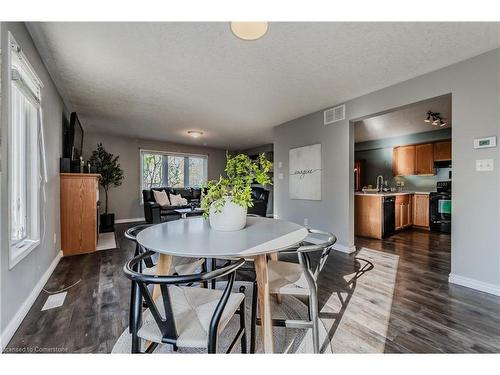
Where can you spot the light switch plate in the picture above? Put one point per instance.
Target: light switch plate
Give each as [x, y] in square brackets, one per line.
[484, 165]
[280, 176]
[280, 164]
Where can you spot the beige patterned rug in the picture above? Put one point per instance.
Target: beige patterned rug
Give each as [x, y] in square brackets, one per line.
[286, 340]
[354, 317]
[357, 312]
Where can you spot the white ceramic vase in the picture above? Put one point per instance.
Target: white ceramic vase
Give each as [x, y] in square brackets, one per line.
[230, 218]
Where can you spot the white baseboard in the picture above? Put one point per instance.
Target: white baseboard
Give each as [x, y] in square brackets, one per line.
[16, 321]
[133, 220]
[474, 284]
[344, 248]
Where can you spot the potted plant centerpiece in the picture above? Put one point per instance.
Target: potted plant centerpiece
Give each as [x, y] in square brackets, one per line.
[225, 201]
[111, 175]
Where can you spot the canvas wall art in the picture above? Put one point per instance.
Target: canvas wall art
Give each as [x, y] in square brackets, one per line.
[305, 172]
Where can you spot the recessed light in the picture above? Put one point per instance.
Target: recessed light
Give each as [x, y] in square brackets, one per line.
[195, 133]
[249, 30]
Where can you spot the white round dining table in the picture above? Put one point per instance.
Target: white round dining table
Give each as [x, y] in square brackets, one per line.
[193, 237]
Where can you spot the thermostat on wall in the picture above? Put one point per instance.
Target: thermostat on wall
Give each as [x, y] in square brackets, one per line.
[485, 142]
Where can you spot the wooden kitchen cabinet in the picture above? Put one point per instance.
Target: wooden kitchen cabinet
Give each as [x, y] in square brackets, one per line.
[403, 160]
[442, 151]
[421, 210]
[368, 213]
[403, 209]
[424, 159]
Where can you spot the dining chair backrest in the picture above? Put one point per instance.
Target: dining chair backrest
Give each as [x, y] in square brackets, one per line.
[303, 251]
[132, 232]
[166, 324]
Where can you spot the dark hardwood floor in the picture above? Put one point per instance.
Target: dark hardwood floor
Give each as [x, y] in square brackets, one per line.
[426, 315]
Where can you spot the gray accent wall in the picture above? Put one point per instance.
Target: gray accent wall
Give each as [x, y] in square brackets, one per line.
[474, 85]
[18, 283]
[377, 158]
[125, 200]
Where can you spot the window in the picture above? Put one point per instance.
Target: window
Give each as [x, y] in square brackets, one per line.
[173, 170]
[23, 156]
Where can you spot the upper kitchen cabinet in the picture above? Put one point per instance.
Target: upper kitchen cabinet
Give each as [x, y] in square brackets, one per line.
[403, 160]
[424, 159]
[442, 151]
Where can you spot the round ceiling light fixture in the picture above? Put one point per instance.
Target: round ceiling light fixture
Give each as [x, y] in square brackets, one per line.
[195, 133]
[249, 30]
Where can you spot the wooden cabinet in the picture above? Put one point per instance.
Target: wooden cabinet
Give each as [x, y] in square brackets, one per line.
[78, 212]
[442, 151]
[424, 159]
[419, 159]
[403, 209]
[403, 160]
[368, 216]
[421, 210]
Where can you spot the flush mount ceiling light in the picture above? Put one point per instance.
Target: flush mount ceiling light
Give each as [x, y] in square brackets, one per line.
[249, 30]
[195, 133]
[435, 118]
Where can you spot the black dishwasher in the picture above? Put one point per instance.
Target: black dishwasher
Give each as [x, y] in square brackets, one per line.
[389, 220]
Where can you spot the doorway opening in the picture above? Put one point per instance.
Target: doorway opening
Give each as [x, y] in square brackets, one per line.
[402, 177]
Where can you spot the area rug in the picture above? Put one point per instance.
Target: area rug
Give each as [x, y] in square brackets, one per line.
[286, 340]
[356, 304]
[106, 241]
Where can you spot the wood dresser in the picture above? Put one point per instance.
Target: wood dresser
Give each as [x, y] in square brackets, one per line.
[79, 195]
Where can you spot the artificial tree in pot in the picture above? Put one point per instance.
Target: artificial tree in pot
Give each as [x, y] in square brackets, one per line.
[225, 201]
[106, 164]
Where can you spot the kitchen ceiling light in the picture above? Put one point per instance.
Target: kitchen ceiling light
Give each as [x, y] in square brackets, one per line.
[195, 133]
[249, 30]
[436, 119]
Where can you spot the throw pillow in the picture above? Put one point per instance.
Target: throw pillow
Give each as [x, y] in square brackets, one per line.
[161, 198]
[177, 200]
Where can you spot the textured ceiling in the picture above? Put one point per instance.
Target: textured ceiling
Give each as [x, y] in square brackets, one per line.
[158, 80]
[404, 121]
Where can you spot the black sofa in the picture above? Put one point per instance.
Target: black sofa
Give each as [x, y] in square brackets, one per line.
[154, 213]
[260, 197]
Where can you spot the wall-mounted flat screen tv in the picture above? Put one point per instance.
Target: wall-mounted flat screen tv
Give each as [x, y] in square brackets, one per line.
[73, 137]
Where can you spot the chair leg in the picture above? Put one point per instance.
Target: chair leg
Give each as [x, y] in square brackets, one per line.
[213, 267]
[253, 320]
[313, 307]
[204, 269]
[243, 323]
[309, 308]
[136, 344]
[135, 310]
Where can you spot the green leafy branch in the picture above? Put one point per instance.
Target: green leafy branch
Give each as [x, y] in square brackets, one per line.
[241, 172]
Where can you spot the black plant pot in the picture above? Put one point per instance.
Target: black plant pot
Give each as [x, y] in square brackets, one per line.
[107, 223]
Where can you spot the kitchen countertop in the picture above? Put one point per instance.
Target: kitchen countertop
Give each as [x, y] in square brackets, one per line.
[392, 194]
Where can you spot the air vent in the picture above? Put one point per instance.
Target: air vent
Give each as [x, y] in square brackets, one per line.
[334, 114]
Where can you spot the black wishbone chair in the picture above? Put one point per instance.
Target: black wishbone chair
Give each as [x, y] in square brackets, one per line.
[297, 279]
[180, 265]
[184, 316]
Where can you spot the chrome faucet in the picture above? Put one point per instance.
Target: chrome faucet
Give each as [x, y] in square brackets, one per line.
[380, 179]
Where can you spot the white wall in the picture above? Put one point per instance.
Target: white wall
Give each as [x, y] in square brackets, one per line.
[21, 285]
[474, 85]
